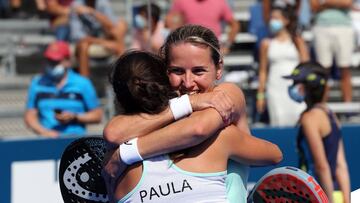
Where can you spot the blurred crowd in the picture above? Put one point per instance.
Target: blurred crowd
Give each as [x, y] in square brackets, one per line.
[93, 30]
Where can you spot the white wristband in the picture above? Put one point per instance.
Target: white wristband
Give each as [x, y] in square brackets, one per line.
[180, 106]
[129, 152]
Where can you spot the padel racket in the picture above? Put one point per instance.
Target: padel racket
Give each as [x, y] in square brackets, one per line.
[287, 184]
[80, 171]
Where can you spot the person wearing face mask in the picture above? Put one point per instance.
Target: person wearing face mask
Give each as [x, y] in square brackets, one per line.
[60, 102]
[278, 56]
[143, 38]
[319, 141]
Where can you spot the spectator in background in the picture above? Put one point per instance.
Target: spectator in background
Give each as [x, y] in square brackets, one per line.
[96, 30]
[145, 39]
[355, 18]
[260, 14]
[59, 12]
[334, 37]
[27, 9]
[60, 101]
[4, 9]
[278, 56]
[208, 13]
[268, 4]
[319, 141]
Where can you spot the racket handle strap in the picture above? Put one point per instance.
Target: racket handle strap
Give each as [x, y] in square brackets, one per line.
[129, 152]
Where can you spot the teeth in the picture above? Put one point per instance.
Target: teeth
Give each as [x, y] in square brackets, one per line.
[191, 93]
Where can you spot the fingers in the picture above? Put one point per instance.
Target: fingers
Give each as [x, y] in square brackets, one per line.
[224, 105]
[65, 117]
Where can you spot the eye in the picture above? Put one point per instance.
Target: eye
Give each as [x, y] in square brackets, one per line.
[176, 70]
[199, 70]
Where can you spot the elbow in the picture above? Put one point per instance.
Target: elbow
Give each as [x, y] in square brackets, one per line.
[200, 133]
[278, 158]
[278, 155]
[321, 168]
[110, 134]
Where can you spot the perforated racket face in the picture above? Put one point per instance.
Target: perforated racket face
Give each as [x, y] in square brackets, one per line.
[287, 185]
[80, 171]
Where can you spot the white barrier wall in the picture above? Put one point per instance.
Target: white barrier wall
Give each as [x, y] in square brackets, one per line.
[35, 181]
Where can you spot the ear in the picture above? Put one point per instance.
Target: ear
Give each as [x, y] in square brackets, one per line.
[220, 69]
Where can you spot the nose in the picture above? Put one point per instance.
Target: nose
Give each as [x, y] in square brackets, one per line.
[188, 81]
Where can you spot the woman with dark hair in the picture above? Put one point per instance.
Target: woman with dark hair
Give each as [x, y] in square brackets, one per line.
[196, 174]
[278, 56]
[149, 31]
[319, 140]
[194, 64]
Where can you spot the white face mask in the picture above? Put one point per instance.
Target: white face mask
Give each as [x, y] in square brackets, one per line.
[140, 21]
[55, 72]
[275, 26]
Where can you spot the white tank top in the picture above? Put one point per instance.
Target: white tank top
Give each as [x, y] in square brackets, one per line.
[163, 181]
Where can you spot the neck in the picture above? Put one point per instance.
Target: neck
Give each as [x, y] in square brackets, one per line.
[283, 35]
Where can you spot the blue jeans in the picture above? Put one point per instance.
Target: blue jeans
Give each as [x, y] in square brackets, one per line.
[62, 32]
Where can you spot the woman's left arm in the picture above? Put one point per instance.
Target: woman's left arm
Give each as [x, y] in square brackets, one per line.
[342, 173]
[314, 139]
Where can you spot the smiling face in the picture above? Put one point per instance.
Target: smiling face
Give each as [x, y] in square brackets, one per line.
[191, 69]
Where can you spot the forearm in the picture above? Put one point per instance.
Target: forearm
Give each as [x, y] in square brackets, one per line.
[182, 134]
[104, 21]
[55, 8]
[32, 122]
[326, 181]
[343, 4]
[262, 81]
[93, 116]
[318, 5]
[234, 29]
[258, 152]
[124, 127]
[343, 179]
[263, 65]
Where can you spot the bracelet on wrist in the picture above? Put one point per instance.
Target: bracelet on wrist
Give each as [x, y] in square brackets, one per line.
[260, 95]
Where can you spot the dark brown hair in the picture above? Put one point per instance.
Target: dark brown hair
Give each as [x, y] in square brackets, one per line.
[140, 83]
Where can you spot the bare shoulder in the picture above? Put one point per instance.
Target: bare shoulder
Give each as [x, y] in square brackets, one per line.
[265, 43]
[232, 90]
[312, 117]
[228, 86]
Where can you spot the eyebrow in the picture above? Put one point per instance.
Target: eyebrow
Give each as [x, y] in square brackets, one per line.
[206, 67]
